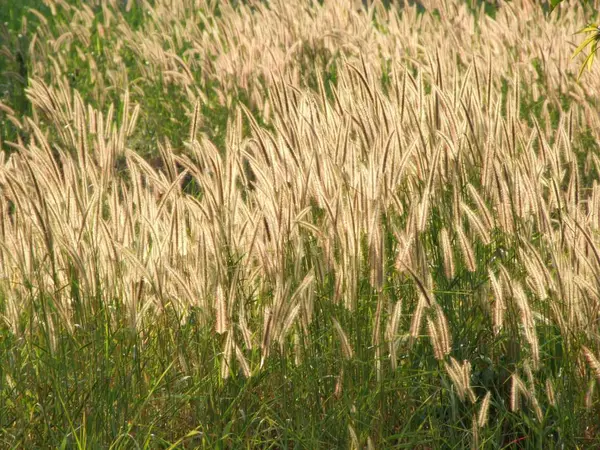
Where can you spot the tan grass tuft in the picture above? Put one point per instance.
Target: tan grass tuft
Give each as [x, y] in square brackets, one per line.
[460, 374]
[447, 254]
[347, 350]
[592, 361]
[484, 410]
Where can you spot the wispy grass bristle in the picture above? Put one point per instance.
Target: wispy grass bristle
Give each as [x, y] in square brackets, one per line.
[294, 224]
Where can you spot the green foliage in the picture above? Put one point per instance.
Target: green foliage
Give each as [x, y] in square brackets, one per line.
[591, 42]
[109, 386]
[15, 23]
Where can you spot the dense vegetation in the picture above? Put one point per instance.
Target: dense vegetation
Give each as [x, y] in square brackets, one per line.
[279, 224]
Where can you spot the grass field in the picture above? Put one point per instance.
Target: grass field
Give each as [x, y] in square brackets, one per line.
[298, 224]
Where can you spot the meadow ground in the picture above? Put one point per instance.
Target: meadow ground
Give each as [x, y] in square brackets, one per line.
[250, 224]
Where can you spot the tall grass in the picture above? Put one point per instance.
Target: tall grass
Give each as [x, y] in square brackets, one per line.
[293, 224]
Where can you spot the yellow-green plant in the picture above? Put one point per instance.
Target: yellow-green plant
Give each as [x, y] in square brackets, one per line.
[591, 41]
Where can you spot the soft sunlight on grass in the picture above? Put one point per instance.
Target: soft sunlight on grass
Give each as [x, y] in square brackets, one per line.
[248, 224]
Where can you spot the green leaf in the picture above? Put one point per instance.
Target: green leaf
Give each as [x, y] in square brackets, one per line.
[590, 41]
[583, 46]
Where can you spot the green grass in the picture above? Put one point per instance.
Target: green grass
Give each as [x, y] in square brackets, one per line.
[105, 385]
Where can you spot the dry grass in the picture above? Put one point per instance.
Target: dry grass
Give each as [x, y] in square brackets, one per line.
[440, 188]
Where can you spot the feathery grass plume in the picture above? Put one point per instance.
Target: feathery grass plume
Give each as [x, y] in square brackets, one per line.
[287, 324]
[589, 394]
[503, 199]
[194, 123]
[475, 444]
[347, 350]
[592, 361]
[482, 418]
[377, 259]
[221, 324]
[391, 332]
[132, 121]
[407, 244]
[242, 362]
[438, 351]
[517, 389]
[528, 323]
[425, 201]
[393, 321]
[447, 254]
[294, 307]
[467, 381]
[537, 410]
[245, 330]
[265, 345]
[82, 138]
[482, 209]
[531, 395]
[539, 269]
[124, 118]
[423, 290]
[530, 377]
[339, 384]
[460, 374]
[572, 224]
[354, 443]
[456, 199]
[443, 329]
[499, 304]
[550, 394]
[227, 354]
[476, 224]
[415, 325]
[376, 335]
[439, 334]
[466, 249]
[298, 348]
[370, 445]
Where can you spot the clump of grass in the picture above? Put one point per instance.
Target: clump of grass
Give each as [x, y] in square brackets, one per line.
[244, 226]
